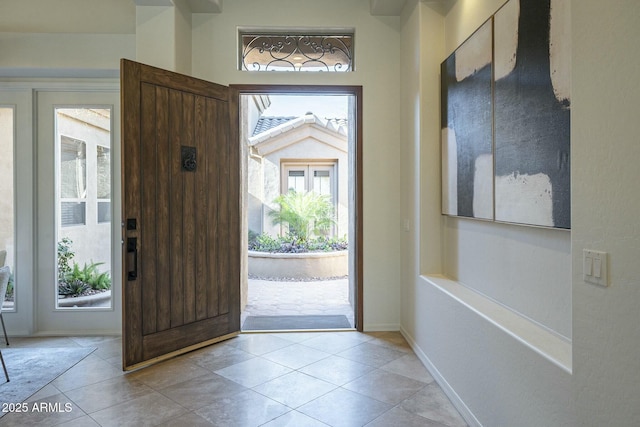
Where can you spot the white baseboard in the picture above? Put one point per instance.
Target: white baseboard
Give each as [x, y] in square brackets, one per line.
[457, 402]
[381, 327]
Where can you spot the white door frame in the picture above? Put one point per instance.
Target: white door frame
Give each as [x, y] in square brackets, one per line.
[19, 321]
[356, 260]
[48, 319]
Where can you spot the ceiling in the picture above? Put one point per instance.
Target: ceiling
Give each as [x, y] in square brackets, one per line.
[394, 7]
[119, 16]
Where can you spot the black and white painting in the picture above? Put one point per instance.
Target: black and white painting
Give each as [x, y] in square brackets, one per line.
[532, 117]
[466, 124]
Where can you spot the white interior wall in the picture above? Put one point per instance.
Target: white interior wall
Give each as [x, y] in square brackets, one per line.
[500, 381]
[422, 28]
[492, 376]
[215, 58]
[47, 54]
[156, 36]
[183, 51]
[605, 151]
[524, 268]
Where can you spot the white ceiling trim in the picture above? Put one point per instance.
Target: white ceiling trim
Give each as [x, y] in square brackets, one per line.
[376, 7]
[205, 6]
[196, 6]
[394, 7]
[386, 7]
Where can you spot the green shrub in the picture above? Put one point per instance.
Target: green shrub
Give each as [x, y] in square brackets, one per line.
[65, 255]
[305, 214]
[293, 244]
[9, 294]
[100, 281]
[265, 243]
[73, 280]
[252, 236]
[73, 288]
[89, 274]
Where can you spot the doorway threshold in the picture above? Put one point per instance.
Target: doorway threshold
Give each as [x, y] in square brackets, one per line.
[287, 305]
[296, 322]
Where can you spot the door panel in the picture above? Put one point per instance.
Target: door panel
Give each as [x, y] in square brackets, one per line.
[181, 186]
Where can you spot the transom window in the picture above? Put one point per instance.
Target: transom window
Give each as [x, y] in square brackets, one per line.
[286, 51]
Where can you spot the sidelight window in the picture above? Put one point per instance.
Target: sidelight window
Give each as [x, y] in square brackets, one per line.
[84, 213]
[7, 220]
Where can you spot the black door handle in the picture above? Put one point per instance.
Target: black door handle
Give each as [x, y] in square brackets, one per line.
[132, 258]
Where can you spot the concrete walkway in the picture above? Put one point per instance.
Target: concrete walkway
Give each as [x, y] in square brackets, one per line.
[270, 298]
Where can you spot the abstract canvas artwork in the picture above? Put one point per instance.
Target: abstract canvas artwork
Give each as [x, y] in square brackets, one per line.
[532, 117]
[466, 123]
[506, 118]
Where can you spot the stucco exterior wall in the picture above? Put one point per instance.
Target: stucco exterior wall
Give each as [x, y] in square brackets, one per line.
[309, 149]
[91, 240]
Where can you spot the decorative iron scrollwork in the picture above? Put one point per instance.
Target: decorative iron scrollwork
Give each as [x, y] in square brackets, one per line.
[281, 52]
[188, 155]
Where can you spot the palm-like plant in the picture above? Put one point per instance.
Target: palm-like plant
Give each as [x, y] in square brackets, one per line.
[304, 213]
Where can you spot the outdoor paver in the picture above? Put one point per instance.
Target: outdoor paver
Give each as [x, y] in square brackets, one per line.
[291, 298]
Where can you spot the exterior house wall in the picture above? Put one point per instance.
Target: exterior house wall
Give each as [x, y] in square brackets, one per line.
[307, 143]
[88, 239]
[255, 193]
[252, 108]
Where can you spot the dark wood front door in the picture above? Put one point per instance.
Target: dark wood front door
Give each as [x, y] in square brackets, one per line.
[180, 213]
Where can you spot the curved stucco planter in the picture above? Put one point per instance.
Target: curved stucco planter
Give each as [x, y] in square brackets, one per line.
[96, 300]
[299, 265]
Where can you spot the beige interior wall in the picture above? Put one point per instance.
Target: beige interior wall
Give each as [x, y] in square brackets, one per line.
[493, 377]
[215, 58]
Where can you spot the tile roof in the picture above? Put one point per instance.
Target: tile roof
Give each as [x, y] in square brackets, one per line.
[267, 123]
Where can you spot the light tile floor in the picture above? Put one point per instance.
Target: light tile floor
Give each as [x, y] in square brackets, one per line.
[272, 379]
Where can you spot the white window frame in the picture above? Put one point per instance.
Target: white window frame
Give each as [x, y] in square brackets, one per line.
[309, 167]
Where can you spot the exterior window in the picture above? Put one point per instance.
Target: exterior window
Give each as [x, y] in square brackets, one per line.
[7, 221]
[296, 181]
[296, 52]
[103, 183]
[104, 212]
[322, 182]
[84, 199]
[318, 177]
[73, 181]
[73, 213]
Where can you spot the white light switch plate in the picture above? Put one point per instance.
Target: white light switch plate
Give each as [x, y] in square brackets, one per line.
[594, 266]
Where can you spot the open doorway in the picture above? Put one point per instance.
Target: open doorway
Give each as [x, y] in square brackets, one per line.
[302, 263]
